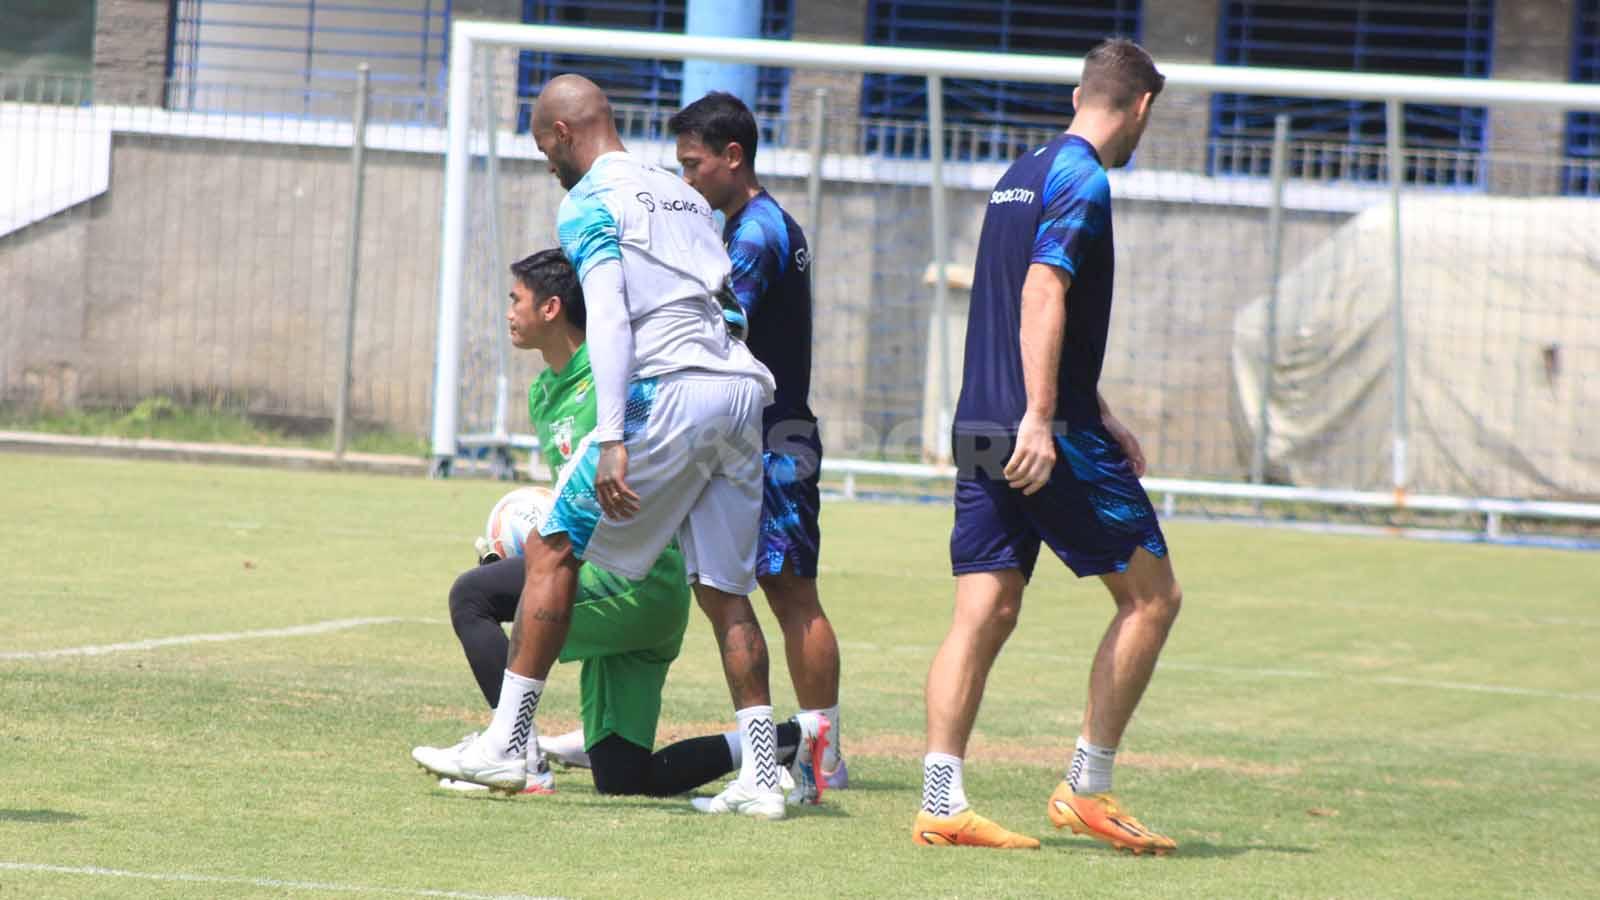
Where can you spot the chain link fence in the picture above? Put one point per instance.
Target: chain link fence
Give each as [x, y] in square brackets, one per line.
[201, 256]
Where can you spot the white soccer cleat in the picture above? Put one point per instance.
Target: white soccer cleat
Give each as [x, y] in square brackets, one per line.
[745, 800]
[470, 760]
[539, 783]
[807, 787]
[565, 750]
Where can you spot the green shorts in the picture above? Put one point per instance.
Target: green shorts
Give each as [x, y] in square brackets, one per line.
[626, 634]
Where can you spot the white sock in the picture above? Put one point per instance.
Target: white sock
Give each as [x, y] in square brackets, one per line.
[1090, 772]
[830, 756]
[735, 748]
[759, 767]
[568, 748]
[942, 791]
[511, 729]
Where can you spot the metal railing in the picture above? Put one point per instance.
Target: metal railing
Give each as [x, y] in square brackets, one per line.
[307, 52]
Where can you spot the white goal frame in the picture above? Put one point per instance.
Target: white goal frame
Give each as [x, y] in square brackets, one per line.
[469, 37]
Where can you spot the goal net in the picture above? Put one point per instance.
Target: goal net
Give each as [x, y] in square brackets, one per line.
[1375, 317]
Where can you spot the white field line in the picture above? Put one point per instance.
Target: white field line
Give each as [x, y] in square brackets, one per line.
[273, 883]
[327, 627]
[1271, 674]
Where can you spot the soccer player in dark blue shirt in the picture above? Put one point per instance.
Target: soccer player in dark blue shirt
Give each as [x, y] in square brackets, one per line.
[1041, 459]
[717, 140]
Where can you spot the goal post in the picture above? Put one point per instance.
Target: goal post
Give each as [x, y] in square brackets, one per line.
[944, 241]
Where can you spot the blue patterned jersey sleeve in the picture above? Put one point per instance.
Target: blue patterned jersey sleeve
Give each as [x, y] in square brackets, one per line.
[1077, 210]
[758, 252]
[587, 231]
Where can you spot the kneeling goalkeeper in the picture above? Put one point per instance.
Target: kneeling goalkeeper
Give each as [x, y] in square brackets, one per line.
[626, 633]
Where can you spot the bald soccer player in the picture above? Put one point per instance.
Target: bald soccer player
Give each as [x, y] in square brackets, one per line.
[676, 450]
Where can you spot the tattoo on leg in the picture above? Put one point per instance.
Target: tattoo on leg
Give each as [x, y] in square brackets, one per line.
[744, 660]
[551, 615]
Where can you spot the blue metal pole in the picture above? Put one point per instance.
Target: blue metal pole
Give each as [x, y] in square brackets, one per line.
[721, 18]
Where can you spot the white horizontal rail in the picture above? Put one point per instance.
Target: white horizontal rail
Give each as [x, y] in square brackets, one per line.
[1023, 67]
[1535, 509]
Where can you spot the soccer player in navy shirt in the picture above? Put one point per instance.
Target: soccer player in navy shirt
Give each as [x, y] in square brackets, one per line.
[771, 280]
[1040, 458]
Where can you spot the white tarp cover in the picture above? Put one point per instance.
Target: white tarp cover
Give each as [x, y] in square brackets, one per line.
[1502, 322]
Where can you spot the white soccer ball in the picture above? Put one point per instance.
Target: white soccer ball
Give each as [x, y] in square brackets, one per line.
[517, 515]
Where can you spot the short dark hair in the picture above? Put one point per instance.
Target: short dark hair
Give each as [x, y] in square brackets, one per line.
[548, 273]
[1119, 72]
[718, 119]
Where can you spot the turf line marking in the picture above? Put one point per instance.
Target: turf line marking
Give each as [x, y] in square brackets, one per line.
[1179, 666]
[273, 883]
[326, 627]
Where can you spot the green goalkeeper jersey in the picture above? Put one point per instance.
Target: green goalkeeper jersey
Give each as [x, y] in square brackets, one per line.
[626, 633]
[562, 408]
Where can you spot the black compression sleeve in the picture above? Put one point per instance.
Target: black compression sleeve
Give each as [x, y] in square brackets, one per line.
[480, 600]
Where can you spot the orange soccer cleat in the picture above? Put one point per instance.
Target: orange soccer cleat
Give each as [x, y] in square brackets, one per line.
[1101, 817]
[967, 829]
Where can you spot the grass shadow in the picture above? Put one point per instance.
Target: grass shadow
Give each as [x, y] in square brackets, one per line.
[39, 816]
[1187, 849]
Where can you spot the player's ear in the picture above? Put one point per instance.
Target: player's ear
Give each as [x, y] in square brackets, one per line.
[1077, 99]
[734, 153]
[1141, 107]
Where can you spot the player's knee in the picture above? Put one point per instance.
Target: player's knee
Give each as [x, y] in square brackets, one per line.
[618, 783]
[549, 554]
[466, 601]
[792, 599]
[1172, 603]
[1000, 618]
[1161, 604]
[718, 604]
[1006, 614]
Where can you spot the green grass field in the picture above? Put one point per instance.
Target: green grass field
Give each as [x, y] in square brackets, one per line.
[1334, 716]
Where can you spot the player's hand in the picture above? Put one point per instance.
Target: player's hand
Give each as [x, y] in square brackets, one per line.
[1034, 456]
[617, 500]
[1126, 440]
[485, 555]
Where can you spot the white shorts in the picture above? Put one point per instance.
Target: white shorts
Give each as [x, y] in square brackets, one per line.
[694, 459]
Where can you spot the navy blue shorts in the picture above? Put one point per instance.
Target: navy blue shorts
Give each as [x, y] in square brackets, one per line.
[789, 504]
[1092, 512]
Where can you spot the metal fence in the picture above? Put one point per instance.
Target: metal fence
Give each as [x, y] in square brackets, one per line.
[304, 54]
[205, 256]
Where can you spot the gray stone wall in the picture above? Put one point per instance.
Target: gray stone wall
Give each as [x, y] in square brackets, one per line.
[130, 50]
[829, 21]
[1533, 42]
[1181, 31]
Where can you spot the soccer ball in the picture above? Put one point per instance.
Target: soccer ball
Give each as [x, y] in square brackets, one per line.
[517, 515]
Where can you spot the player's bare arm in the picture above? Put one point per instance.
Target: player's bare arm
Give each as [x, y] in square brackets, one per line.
[1044, 325]
[1124, 437]
[610, 482]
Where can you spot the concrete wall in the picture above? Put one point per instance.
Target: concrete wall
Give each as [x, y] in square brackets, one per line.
[829, 21]
[214, 271]
[1532, 41]
[130, 50]
[1181, 31]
